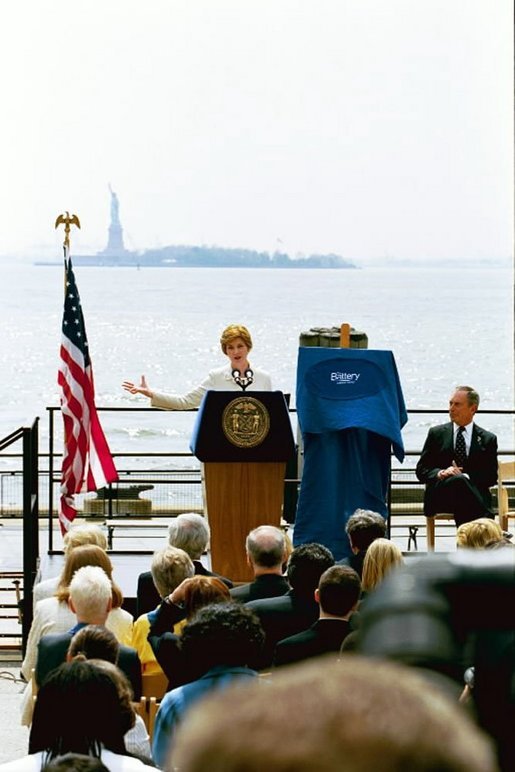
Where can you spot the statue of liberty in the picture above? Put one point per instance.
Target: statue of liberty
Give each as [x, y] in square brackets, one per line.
[115, 246]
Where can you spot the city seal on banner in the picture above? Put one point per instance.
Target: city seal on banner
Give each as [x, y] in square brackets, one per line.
[246, 422]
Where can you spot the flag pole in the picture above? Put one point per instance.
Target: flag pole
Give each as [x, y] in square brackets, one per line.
[87, 461]
[66, 219]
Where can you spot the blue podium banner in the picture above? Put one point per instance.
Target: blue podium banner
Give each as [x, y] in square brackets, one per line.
[351, 410]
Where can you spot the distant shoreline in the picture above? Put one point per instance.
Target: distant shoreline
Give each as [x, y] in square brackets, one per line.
[206, 257]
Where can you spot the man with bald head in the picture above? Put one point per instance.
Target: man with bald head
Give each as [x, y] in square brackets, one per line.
[266, 553]
[459, 462]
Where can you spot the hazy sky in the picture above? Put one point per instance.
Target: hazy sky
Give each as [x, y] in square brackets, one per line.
[361, 127]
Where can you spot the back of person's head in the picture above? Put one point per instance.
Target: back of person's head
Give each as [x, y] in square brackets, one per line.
[75, 762]
[78, 710]
[363, 527]
[339, 589]
[222, 634]
[82, 534]
[90, 593]
[353, 715]
[123, 687]
[266, 547]
[87, 555]
[476, 534]
[170, 566]
[200, 591]
[94, 642]
[306, 565]
[382, 556]
[189, 532]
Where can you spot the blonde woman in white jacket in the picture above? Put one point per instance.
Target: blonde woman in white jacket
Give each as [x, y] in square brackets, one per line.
[238, 375]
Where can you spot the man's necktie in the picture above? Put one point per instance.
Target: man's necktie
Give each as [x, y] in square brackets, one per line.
[460, 450]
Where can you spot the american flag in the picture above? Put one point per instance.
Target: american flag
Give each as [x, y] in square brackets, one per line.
[87, 461]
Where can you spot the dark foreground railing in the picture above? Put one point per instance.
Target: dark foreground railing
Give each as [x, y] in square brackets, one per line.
[29, 437]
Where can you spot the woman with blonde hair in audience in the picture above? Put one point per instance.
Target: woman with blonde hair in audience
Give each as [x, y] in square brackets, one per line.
[77, 536]
[53, 615]
[476, 534]
[382, 556]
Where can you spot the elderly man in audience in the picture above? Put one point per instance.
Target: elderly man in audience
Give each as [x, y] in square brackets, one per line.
[170, 567]
[298, 609]
[362, 528]
[338, 596]
[188, 532]
[224, 641]
[90, 600]
[266, 549]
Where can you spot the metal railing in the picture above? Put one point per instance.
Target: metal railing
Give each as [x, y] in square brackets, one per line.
[33, 476]
[29, 438]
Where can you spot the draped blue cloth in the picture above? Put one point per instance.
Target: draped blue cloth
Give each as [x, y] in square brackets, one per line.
[351, 410]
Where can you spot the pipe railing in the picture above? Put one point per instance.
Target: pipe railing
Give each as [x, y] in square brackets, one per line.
[29, 438]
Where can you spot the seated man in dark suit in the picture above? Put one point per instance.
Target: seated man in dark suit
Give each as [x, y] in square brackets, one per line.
[188, 532]
[298, 609]
[363, 527]
[459, 462]
[266, 549]
[338, 596]
[90, 600]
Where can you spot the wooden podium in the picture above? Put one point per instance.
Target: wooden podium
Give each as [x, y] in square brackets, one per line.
[244, 441]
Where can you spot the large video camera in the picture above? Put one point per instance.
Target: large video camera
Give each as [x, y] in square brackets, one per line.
[445, 613]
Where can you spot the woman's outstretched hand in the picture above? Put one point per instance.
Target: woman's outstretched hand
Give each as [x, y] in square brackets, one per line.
[141, 389]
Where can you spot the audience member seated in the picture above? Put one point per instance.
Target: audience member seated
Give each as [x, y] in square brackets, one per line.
[90, 599]
[476, 534]
[298, 609]
[381, 557]
[170, 566]
[266, 549]
[78, 710]
[350, 716]
[192, 595]
[98, 644]
[224, 641]
[53, 615]
[77, 536]
[338, 596]
[363, 527]
[137, 739]
[188, 532]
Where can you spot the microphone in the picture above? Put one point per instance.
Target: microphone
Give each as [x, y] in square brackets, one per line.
[243, 381]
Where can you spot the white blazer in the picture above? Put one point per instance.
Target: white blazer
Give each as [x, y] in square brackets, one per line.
[217, 380]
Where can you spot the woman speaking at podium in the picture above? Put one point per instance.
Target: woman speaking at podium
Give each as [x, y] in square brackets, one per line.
[238, 375]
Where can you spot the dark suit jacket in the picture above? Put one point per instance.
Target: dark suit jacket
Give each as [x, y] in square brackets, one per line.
[438, 453]
[264, 586]
[282, 617]
[166, 645]
[148, 597]
[52, 650]
[324, 636]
